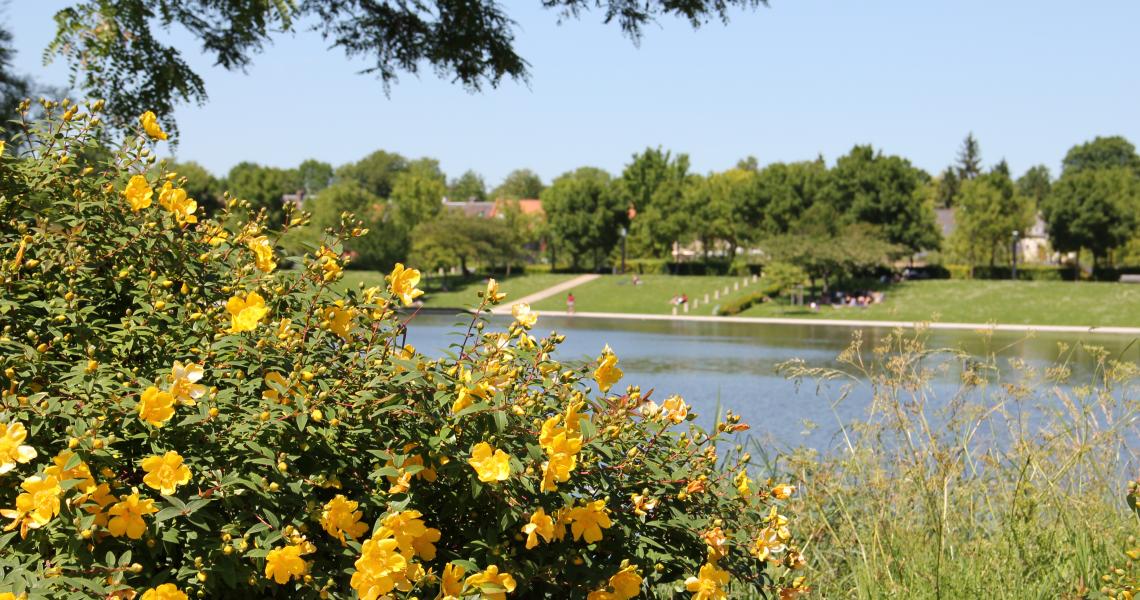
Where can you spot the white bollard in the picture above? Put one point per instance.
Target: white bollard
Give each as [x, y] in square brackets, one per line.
[726, 290]
[674, 311]
[716, 294]
[755, 277]
[696, 303]
[706, 298]
[686, 307]
[735, 286]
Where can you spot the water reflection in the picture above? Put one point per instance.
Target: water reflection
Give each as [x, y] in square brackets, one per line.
[734, 365]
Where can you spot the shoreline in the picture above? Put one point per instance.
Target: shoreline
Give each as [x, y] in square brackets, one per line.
[850, 323]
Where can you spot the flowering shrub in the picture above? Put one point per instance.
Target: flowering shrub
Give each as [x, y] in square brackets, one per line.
[182, 417]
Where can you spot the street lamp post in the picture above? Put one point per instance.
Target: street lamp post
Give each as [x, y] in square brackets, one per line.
[1016, 237]
[624, 234]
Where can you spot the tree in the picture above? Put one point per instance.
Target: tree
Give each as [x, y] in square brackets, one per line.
[886, 192]
[376, 172]
[468, 186]
[948, 184]
[417, 193]
[989, 210]
[263, 187]
[969, 158]
[780, 195]
[200, 185]
[520, 184]
[1035, 184]
[712, 205]
[1102, 153]
[851, 250]
[119, 50]
[1094, 209]
[383, 245]
[315, 175]
[653, 176]
[585, 215]
[452, 238]
[1002, 168]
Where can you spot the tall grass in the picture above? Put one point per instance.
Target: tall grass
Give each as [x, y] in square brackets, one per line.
[1008, 482]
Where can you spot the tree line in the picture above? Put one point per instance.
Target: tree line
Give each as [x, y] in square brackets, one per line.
[868, 209]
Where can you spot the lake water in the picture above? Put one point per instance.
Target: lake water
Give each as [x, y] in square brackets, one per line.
[734, 365]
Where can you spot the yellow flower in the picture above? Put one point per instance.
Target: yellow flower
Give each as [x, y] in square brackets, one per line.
[770, 542]
[150, 125]
[215, 235]
[165, 473]
[452, 584]
[166, 591]
[492, 583]
[783, 491]
[36, 506]
[492, 293]
[540, 524]
[467, 392]
[675, 409]
[642, 505]
[587, 522]
[80, 471]
[492, 465]
[402, 282]
[607, 373]
[272, 394]
[341, 319]
[184, 384]
[412, 535]
[328, 263]
[379, 569]
[12, 448]
[743, 483]
[175, 200]
[246, 313]
[524, 315]
[716, 542]
[626, 583]
[156, 406]
[138, 193]
[99, 499]
[709, 585]
[283, 564]
[340, 518]
[127, 516]
[262, 253]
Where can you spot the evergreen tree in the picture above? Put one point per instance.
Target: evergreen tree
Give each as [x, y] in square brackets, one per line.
[969, 158]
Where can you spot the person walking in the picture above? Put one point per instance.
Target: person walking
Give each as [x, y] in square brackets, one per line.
[570, 303]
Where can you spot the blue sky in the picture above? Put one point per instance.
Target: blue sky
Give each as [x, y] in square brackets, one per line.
[785, 83]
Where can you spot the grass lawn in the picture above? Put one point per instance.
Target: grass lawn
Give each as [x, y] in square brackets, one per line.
[461, 292]
[616, 293]
[1013, 302]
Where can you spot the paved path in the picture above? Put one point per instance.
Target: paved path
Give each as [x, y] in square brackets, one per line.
[848, 323]
[505, 308]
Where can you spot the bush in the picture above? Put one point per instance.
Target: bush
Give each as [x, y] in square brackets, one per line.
[181, 417]
[1024, 272]
[738, 305]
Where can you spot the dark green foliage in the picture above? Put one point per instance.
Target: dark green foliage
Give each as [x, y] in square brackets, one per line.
[1094, 209]
[886, 192]
[1102, 153]
[520, 184]
[263, 187]
[585, 215]
[969, 158]
[1035, 183]
[468, 186]
[376, 172]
